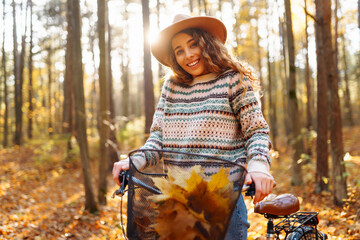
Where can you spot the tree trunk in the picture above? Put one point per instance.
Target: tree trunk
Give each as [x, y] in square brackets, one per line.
[104, 104]
[126, 88]
[293, 104]
[18, 83]
[67, 127]
[285, 82]
[337, 147]
[308, 89]
[79, 103]
[272, 106]
[4, 71]
[348, 105]
[30, 87]
[49, 69]
[258, 52]
[307, 75]
[95, 120]
[113, 157]
[148, 79]
[322, 164]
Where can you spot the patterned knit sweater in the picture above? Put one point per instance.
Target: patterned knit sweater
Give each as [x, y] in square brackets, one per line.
[211, 116]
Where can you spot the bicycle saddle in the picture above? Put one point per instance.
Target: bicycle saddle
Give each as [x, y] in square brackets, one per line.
[278, 205]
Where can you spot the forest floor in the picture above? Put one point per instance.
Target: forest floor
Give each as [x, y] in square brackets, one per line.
[42, 197]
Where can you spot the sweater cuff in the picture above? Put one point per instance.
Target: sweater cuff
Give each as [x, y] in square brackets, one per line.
[139, 162]
[258, 166]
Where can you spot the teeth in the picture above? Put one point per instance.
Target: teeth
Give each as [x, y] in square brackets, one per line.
[193, 63]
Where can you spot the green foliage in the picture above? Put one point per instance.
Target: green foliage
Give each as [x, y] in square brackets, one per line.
[132, 135]
[54, 149]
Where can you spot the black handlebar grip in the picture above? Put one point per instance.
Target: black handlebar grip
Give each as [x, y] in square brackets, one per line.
[251, 190]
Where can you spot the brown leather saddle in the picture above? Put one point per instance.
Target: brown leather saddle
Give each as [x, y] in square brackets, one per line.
[278, 205]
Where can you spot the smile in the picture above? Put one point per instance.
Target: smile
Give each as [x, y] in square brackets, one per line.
[193, 63]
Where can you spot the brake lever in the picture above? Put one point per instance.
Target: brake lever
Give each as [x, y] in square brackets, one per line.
[249, 189]
[123, 178]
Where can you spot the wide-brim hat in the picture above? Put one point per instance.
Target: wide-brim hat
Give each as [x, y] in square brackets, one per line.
[212, 25]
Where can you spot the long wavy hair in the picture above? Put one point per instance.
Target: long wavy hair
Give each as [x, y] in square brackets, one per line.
[216, 56]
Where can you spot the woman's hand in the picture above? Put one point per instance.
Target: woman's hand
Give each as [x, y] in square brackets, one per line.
[264, 184]
[118, 167]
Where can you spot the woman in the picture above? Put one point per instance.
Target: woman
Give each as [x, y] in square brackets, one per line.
[209, 106]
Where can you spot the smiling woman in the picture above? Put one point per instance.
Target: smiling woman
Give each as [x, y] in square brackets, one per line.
[208, 106]
[188, 54]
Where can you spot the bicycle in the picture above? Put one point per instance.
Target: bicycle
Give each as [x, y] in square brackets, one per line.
[296, 225]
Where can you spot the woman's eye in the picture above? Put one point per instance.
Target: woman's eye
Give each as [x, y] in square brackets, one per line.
[193, 45]
[179, 52]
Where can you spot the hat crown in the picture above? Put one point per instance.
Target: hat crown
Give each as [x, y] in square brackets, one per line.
[180, 17]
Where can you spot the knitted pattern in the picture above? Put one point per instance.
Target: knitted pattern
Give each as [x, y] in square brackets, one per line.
[212, 117]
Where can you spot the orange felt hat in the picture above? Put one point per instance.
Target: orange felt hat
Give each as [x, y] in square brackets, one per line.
[214, 26]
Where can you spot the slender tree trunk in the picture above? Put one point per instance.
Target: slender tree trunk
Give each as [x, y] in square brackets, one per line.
[68, 100]
[3, 66]
[272, 109]
[308, 89]
[30, 90]
[285, 82]
[337, 146]
[95, 123]
[148, 79]
[68, 108]
[104, 104]
[113, 157]
[50, 74]
[161, 69]
[348, 105]
[18, 95]
[293, 110]
[79, 104]
[126, 88]
[307, 74]
[322, 165]
[258, 52]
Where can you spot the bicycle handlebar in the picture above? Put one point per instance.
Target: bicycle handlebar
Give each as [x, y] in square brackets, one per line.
[124, 179]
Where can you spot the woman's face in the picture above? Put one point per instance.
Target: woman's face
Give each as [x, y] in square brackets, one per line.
[188, 54]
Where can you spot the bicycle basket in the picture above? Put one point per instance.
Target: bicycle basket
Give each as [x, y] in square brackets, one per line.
[192, 213]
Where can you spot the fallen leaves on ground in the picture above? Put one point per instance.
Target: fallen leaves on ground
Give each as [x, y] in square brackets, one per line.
[46, 200]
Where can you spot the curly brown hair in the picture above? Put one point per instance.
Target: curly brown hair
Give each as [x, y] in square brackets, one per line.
[216, 56]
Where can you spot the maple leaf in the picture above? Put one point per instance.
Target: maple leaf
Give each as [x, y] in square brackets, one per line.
[193, 205]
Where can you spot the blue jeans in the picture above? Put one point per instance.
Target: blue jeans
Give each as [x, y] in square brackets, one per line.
[239, 223]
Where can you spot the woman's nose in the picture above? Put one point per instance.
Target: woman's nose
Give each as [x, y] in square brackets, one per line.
[188, 53]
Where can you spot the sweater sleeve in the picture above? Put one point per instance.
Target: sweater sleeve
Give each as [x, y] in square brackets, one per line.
[155, 140]
[253, 127]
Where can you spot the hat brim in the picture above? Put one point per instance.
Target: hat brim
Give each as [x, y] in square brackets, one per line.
[214, 26]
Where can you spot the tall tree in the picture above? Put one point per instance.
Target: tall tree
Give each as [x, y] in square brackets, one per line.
[337, 146]
[79, 102]
[4, 71]
[307, 73]
[322, 164]
[148, 79]
[18, 83]
[68, 107]
[49, 89]
[104, 103]
[348, 105]
[112, 130]
[271, 90]
[293, 104]
[30, 87]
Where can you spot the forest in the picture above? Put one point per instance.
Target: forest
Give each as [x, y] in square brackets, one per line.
[79, 88]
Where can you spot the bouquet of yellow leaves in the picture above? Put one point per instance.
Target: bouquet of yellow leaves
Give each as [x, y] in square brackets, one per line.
[193, 206]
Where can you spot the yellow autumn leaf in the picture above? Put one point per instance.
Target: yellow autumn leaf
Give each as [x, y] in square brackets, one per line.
[199, 204]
